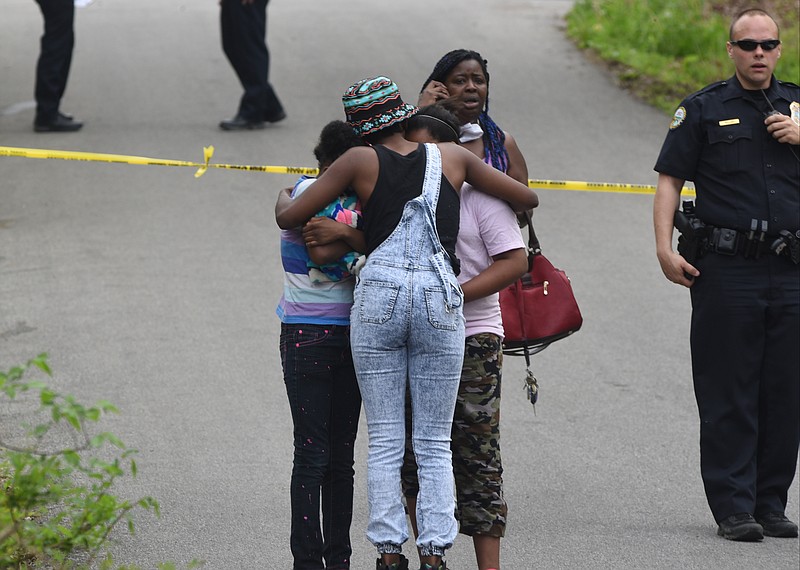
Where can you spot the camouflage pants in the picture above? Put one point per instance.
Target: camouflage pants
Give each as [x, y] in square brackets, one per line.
[477, 466]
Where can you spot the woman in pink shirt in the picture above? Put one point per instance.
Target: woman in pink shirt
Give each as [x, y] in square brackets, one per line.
[492, 255]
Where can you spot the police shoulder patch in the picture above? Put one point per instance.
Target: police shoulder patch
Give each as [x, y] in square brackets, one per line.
[678, 118]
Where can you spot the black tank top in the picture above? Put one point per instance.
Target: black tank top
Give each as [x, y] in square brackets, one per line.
[400, 180]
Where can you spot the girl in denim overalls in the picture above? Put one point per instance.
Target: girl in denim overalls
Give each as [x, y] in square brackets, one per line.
[406, 323]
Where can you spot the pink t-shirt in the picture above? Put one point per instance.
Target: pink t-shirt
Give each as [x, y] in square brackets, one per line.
[488, 227]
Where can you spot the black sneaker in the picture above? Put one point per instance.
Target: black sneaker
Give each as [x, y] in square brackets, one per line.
[742, 527]
[402, 565]
[442, 566]
[777, 525]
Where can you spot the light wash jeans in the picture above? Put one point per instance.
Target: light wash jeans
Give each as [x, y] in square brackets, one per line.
[407, 325]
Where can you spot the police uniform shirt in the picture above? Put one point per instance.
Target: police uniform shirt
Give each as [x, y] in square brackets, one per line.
[718, 139]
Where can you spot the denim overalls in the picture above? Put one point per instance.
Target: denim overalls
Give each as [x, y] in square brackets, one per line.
[407, 324]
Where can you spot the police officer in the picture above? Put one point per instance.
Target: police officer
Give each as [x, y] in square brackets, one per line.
[745, 328]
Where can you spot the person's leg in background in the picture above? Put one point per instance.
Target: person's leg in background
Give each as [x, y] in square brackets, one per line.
[243, 28]
[53, 65]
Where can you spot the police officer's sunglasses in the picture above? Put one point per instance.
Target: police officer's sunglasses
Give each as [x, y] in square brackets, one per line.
[751, 45]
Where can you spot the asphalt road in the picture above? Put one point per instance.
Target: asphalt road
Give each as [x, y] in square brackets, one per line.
[156, 290]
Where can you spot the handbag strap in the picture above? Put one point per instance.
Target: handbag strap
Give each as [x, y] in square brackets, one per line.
[534, 248]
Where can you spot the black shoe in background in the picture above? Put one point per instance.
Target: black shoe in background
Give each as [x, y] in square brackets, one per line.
[741, 527]
[239, 123]
[61, 124]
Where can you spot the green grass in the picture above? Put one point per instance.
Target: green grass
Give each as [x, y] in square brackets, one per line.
[663, 50]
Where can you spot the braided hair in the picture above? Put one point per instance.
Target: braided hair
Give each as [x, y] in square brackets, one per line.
[493, 136]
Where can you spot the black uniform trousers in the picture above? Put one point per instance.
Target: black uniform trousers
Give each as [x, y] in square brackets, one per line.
[55, 57]
[745, 336]
[244, 32]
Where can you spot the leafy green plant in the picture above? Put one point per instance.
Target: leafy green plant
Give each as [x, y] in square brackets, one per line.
[56, 505]
[663, 50]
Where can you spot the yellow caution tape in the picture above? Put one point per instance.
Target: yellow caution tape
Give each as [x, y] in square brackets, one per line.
[202, 167]
[598, 187]
[208, 152]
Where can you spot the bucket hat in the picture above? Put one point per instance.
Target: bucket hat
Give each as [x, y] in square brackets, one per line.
[373, 104]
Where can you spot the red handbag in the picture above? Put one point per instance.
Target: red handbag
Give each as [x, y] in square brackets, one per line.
[538, 309]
